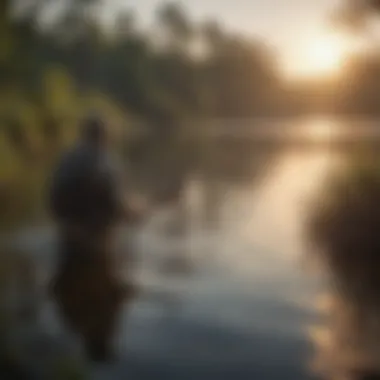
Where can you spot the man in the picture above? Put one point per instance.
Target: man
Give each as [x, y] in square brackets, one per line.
[87, 201]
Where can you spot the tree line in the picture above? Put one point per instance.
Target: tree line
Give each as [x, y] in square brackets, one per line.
[179, 69]
[60, 60]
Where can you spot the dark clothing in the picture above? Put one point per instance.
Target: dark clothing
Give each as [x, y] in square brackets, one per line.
[87, 188]
[88, 294]
[87, 201]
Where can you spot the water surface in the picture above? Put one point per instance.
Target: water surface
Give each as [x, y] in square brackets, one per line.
[243, 310]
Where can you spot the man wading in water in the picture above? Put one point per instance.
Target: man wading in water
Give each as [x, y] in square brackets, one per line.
[87, 201]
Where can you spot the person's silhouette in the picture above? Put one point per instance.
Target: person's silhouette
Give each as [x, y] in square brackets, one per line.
[87, 202]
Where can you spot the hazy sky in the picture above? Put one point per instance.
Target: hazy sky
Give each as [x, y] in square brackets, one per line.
[288, 24]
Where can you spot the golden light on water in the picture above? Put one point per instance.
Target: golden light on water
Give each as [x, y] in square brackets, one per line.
[319, 130]
[320, 336]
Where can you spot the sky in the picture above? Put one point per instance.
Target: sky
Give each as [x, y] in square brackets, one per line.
[288, 25]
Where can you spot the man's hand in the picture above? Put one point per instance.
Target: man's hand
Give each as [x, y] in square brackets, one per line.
[136, 209]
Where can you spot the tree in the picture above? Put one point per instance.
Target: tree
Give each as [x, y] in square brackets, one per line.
[356, 15]
[176, 28]
[239, 76]
[125, 25]
[212, 36]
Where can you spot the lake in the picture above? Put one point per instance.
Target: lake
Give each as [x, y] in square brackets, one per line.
[245, 306]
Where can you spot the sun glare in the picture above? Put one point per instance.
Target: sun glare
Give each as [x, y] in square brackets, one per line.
[325, 56]
[322, 56]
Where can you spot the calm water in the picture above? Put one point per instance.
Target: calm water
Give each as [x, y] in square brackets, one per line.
[245, 308]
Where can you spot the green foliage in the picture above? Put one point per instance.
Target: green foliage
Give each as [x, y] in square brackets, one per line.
[177, 30]
[56, 72]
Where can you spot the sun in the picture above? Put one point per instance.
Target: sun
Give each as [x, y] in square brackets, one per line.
[321, 56]
[325, 56]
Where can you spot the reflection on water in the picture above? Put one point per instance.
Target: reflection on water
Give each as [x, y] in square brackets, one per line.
[222, 292]
[248, 302]
[246, 305]
[321, 130]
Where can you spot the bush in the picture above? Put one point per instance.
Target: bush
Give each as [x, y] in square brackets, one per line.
[344, 225]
